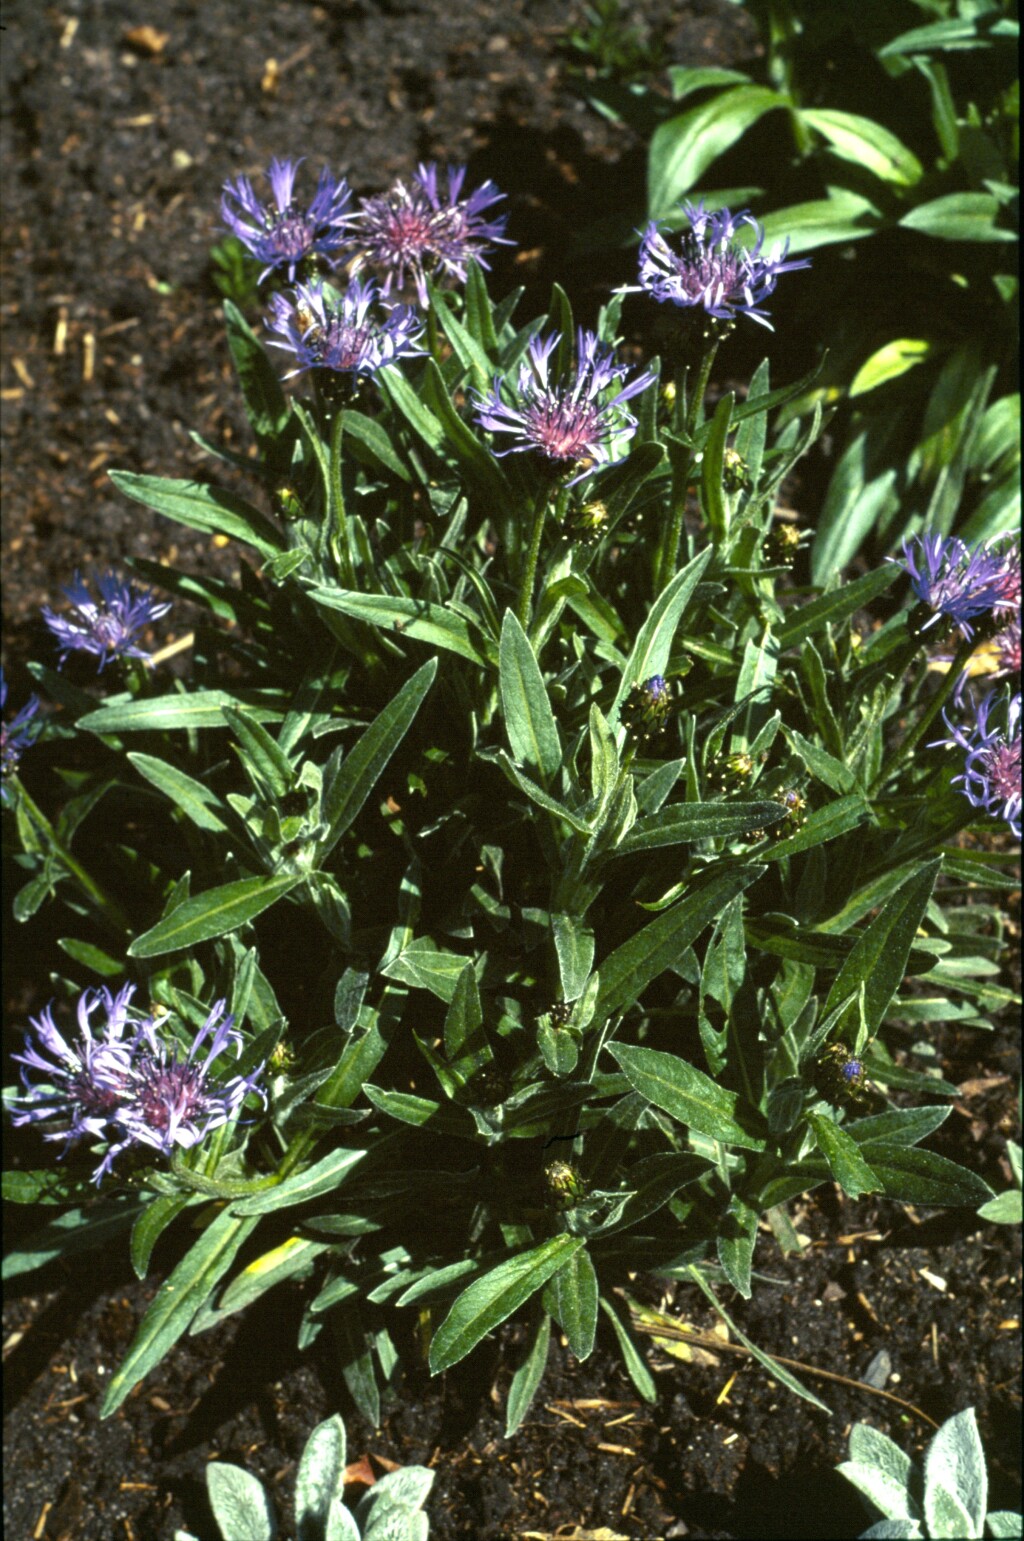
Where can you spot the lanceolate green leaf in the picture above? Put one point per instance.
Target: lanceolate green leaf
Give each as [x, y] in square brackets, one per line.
[660, 944]
[575, 1290]
[190, 710]
[194, 798]
[652, 647]
[836, 606]
[529, 720]
[366, 759]
[314, 1182]
[879, 957]
[916, 1176]
[846, 1162]
[177, 1301]
[528, 1376]
[211, 914]
[685, 146]
[418, 619]
[491, 1300]
[697, 821]
[203, 507]
[689, 1096]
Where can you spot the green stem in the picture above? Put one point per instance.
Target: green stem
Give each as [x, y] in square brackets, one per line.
[964, 650]
[524, 603]
[108, 907]
[682, 463]
[339, 520]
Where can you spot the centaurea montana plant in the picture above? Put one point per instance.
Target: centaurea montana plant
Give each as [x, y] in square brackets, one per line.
[956, 583]
[107, 626]
[282, 234]
[991, 777]
[543, 838]
[346, 332]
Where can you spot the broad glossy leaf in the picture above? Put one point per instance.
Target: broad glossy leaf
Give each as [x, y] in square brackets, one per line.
[489, 1301]
[212, 914]
[690, 1096]
[176, 1302]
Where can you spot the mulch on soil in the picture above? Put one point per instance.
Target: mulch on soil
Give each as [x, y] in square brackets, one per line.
[115, 144]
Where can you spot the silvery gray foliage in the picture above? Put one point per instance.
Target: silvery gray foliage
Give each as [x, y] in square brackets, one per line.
[392, 1510]
[951, 1500]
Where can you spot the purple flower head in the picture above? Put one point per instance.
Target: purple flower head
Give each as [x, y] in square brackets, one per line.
[572, 423]
[713, 269]
[108, 625]
[172, 1101]
[15, 736]
[954, 581]
[345, 332]
[1006, 645]
[1006, 550]
[417, 229]
[83, 1080]
[991, 777]
[282, 235]
[123, 1083]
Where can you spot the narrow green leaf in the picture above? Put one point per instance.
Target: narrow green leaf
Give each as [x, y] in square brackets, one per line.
[632, 1358]
[574, 945]
[260, 751]
[313, 1183]
[362, 766]
[151, 1224]
[713, 499]
[775, 1370]
[190, 710]
[266, 404]
[176, 1302]
[916, 1176]
[627, 971]
[528, 1377]
[370, 434]
[575, 1291]
[735, 1243]
[867, 144]
[823, 824]
[843, 1154]
[689, 1096]
[465, 1013]
[425, 966]
[414, 618]
[879, 957]
[683, 148]
[489, 1301]
[194, 798]
[685, 822]
[212, 914]
[959, 217]
[529, 720]
[653, 645]
[836, 606]
[203, 507]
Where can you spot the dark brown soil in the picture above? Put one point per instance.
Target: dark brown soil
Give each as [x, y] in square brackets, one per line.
[114, 148]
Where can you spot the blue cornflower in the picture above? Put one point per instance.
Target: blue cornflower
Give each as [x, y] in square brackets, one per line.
[573, 423]
[125, 1084]
[282, 235]
[712, 269]
[344, 332]
[84, 1080]
[991, 777]
[954, 581]
[15, 736]
[106, 626]
[415, 229]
